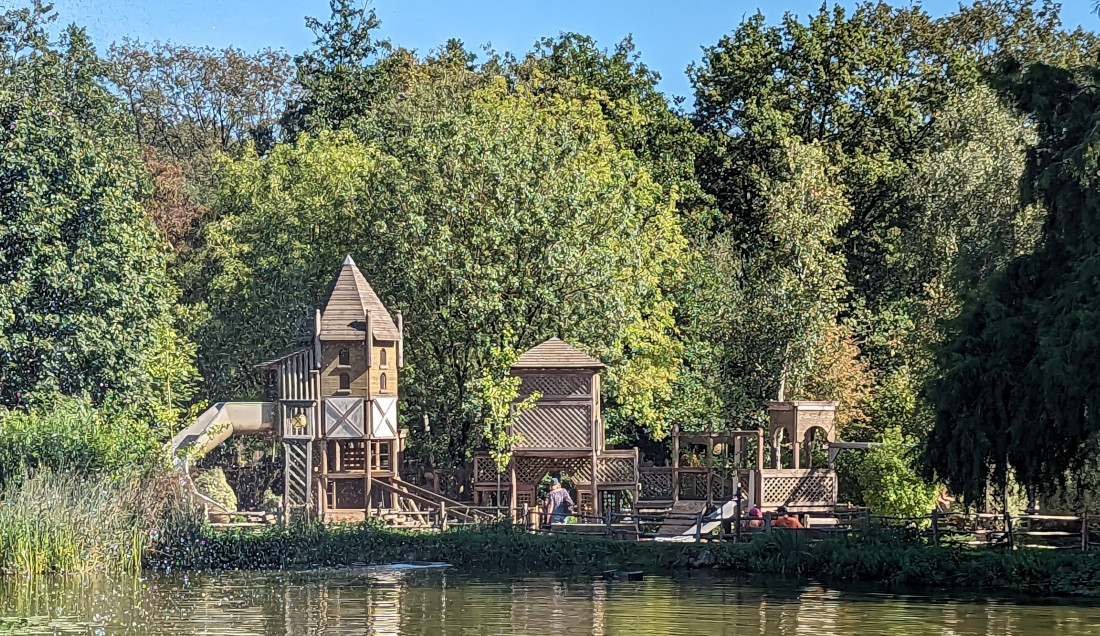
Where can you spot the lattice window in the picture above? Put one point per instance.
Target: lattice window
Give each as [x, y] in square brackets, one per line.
[380, 458]
[584, 500]
[531, 470]
[618, 470]
[554, 385]
[485, 471]
[524, 497]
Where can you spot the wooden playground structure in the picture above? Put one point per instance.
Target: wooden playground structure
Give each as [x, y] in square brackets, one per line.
[332, 402]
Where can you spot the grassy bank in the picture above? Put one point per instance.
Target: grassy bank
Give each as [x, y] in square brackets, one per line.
[878, 558]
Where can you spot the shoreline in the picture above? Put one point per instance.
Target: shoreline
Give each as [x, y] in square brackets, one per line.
[863, 560]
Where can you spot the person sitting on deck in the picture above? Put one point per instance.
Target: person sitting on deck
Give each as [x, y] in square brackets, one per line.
[558, 502]
[756, 518]
[784, 520]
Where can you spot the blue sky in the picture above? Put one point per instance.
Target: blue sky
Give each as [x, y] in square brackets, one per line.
[668, 34]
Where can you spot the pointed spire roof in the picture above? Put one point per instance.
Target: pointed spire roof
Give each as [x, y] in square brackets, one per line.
[556, 354]
[344, 314]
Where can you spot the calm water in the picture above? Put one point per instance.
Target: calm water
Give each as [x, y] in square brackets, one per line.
[434, 601]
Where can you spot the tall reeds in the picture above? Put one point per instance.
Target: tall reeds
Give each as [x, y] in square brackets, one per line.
[68, 522]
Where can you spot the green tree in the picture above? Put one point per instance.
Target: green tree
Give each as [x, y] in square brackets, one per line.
[891, 486]
[491, 215]
[1016, 397]
[191, 103]
[768, 309]
[85, 304]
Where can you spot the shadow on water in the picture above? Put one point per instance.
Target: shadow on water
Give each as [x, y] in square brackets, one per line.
[431, 600]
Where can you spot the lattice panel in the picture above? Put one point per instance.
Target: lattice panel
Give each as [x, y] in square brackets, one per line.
[524, 497]
[656, 485]
[559, 426]
[617, 470]
[531, 470]
[795, 490]
[297, 474]
[485, 471]
[554, 385]
[722, 488]
[693, 486]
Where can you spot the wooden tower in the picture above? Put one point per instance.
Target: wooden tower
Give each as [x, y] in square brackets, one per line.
[337, 405]
[360, 350]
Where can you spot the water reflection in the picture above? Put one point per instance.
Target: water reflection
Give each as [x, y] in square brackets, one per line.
[408, 602]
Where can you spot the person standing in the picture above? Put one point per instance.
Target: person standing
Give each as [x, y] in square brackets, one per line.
[558, 502]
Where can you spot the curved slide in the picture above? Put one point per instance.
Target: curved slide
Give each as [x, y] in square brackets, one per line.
[213, 427]
[217, 424]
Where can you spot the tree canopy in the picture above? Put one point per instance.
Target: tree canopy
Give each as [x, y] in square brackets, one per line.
[85, 301]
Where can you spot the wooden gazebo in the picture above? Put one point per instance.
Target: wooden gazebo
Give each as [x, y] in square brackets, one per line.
[564, 434]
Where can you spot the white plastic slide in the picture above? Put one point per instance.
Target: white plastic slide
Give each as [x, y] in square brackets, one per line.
[217, 424]
[213, 427]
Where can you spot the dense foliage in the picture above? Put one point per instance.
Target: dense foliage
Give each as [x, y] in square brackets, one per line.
[1019, 397]
[85, 300]
[837, 215]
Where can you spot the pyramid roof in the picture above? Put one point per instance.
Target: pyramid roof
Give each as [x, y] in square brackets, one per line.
[556, 354]
[350, 296]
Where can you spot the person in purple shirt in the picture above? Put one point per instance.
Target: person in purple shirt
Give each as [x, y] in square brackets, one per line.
[558, 502]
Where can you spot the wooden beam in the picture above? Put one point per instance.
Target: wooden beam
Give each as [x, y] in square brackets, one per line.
[369, 344]
[400, 340]
[675, 463]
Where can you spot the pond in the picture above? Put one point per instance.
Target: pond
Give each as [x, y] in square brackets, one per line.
[421, 601]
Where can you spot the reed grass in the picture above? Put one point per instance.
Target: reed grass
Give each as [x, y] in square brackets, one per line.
[53, 522]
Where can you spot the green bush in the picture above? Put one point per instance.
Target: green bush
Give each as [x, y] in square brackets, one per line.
[70, 434]
[213, 484]
[891, 486]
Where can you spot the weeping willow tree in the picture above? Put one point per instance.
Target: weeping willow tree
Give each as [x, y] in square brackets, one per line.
[1018, 395]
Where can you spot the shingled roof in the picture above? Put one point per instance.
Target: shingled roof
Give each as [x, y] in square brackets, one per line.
[556, 354]
[344, 314]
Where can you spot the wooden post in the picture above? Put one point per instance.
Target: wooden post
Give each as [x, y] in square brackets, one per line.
[936, 527]
[400, 340]
[512, 496]
[1008, 527]
[737, 512]
[1085, 530]
[443, 516]
[607, 519]
[710, 469]
[323, 499]
[675, 463]
[767, 522]
[759, 494]
[367, 479]
[699, 526]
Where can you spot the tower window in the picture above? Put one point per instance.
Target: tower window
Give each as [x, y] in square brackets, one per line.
[345, 381]
[382, 358]
[382, 382]
[345, 358]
